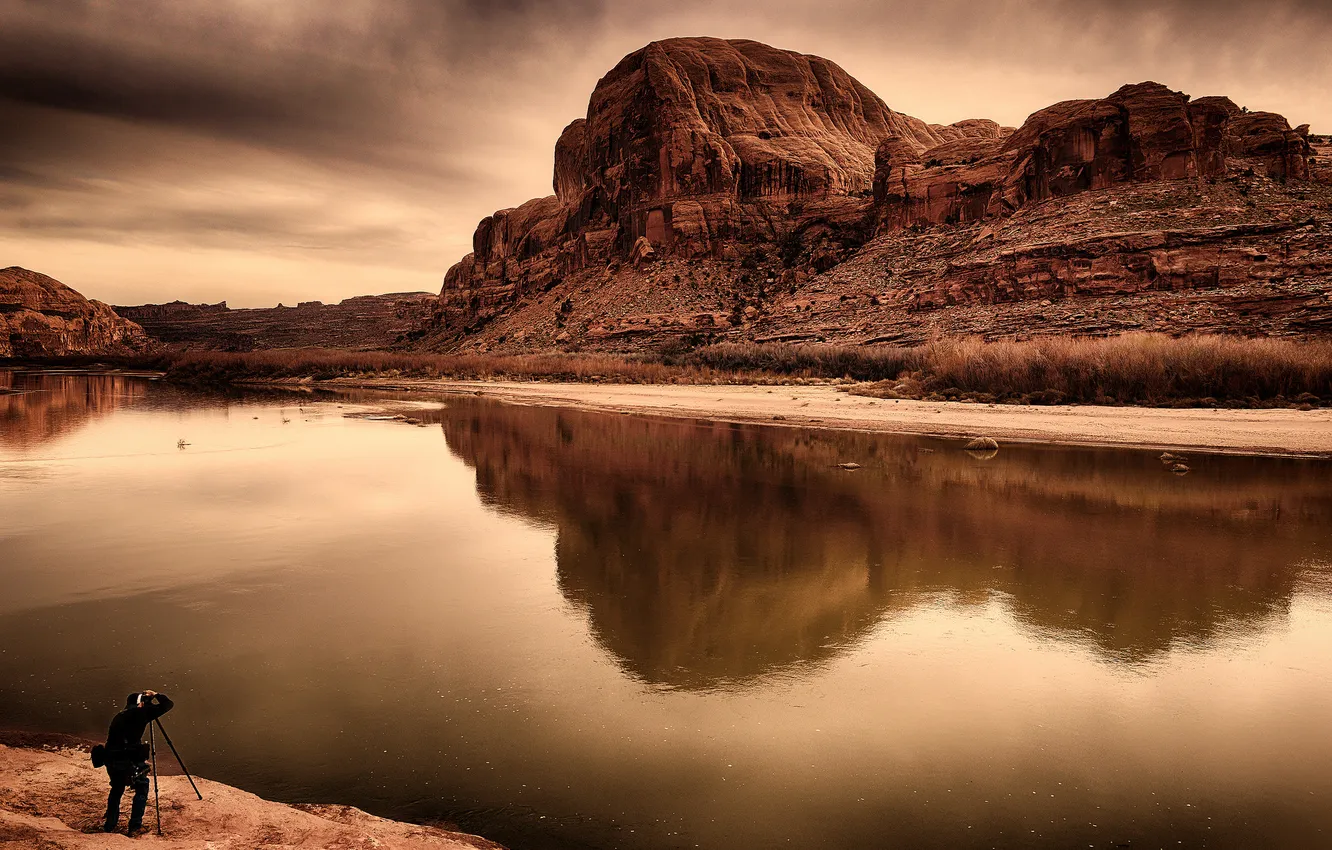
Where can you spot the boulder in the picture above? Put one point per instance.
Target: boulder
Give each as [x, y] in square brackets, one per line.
[761, 177]
[642, 252]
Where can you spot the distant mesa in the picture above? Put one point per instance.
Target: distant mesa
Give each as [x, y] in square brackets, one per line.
[751, 176]
[42, 317]
[362, 322]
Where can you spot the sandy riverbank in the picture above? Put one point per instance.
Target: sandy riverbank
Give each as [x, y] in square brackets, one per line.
[50, 794]
[1286, 432]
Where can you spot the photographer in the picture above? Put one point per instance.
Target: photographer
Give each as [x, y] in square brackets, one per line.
[127, 756]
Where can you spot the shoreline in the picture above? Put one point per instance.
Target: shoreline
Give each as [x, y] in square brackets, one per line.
[1270, 432]
[52, 797]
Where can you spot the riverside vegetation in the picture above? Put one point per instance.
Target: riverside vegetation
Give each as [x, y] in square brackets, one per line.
[1141, 369]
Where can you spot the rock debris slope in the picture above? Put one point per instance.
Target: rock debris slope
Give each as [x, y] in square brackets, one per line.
[730, 190]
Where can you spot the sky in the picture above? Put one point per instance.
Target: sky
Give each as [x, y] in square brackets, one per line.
[266, 151]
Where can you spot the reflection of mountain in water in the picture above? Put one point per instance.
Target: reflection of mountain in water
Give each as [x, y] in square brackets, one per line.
[37, 407]
[707, 554]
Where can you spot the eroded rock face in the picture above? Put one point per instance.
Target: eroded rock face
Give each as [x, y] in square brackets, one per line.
[1247, 255]
[41, 317]
[692, 144]
[1141, 133]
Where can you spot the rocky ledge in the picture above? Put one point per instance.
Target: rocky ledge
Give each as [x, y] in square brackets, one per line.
[730, 190]
[51, 797]
[41, 317]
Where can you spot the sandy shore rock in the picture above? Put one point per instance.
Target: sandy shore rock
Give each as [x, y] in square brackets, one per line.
[49, 796]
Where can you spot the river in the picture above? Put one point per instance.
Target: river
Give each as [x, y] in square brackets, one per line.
[563, 629]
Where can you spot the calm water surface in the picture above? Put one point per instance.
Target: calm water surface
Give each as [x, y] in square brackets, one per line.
[570, 630]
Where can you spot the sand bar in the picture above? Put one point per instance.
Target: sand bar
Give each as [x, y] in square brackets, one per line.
[1275, 431]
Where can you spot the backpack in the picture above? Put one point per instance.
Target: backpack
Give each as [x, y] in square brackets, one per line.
[100, 756]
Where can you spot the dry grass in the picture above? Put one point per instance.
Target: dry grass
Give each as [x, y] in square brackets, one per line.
[1148, 369]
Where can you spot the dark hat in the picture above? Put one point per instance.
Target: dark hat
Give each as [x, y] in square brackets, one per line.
[132, 700]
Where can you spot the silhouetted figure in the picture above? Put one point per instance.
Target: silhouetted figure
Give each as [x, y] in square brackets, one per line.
[127, 756]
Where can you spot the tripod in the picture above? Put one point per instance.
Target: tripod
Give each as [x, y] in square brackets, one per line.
[152, 750]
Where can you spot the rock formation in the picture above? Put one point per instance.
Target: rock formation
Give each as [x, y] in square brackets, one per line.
[41, 317]
[363, 322]
[730, 190]
[690, 144]
[1141, 133]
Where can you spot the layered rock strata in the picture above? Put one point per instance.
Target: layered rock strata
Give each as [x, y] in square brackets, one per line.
[1247, 256]
[42, 317]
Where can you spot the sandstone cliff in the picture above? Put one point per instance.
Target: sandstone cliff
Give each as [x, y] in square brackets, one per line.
[729, 190]
[41, 317]
[695, 145]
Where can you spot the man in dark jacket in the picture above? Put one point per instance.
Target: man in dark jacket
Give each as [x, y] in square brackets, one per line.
[127, 756]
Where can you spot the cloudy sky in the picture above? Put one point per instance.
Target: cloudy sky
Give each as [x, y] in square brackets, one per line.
[265, 151]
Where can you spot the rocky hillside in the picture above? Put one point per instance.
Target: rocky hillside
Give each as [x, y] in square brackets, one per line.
[364, 322]
[41, 317]
[729, 190]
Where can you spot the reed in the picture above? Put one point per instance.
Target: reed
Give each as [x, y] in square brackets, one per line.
[1141, 368]
[1150, 369]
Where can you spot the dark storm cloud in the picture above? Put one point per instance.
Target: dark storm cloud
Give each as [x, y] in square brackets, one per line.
[390, 82]
[377, 132]
[351, 80]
